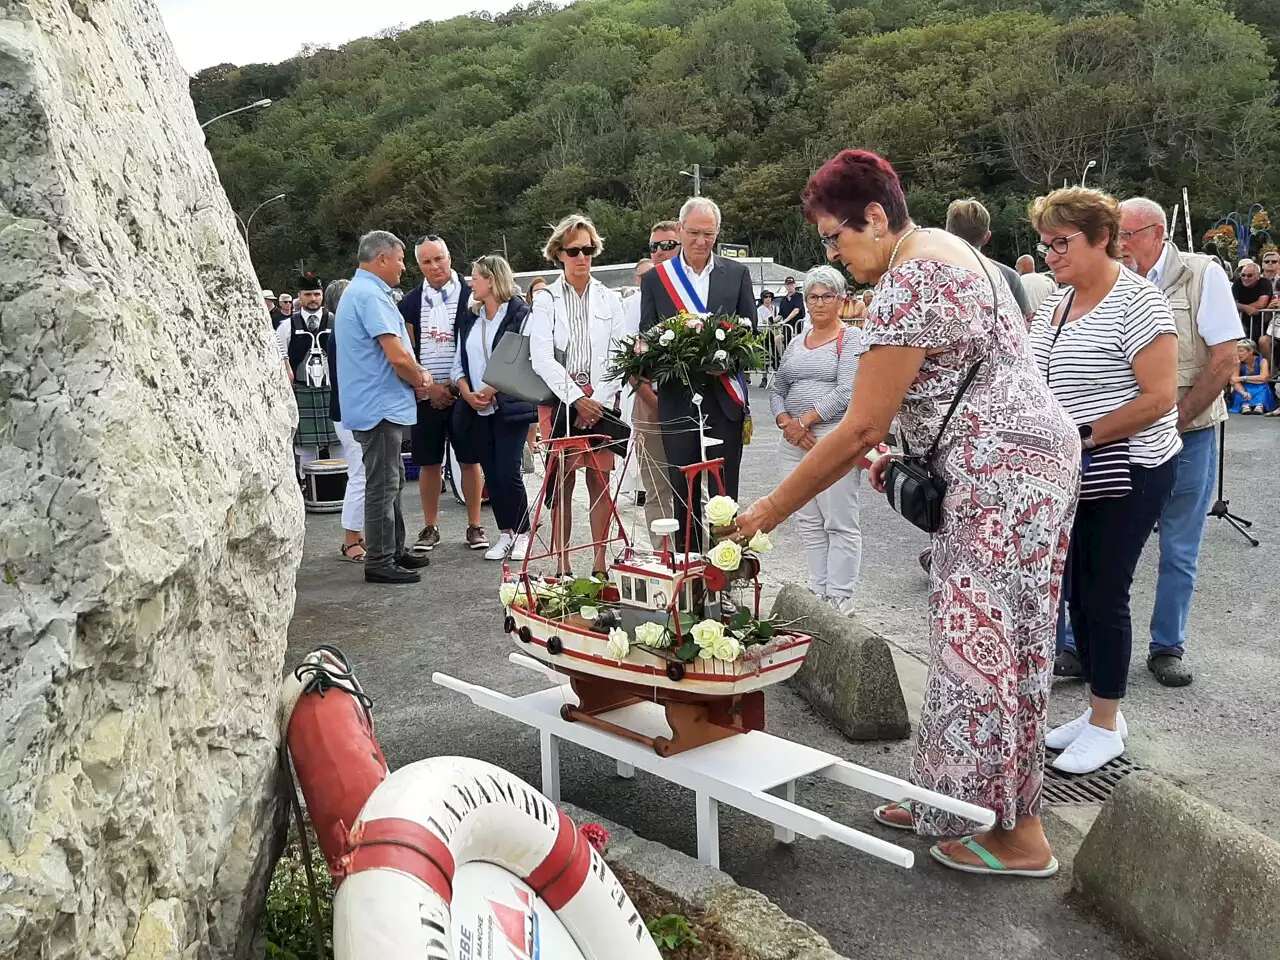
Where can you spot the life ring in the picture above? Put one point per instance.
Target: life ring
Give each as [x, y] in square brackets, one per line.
[329, 730]
[429, 822]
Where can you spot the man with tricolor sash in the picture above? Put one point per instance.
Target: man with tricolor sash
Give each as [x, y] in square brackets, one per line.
[700, 283]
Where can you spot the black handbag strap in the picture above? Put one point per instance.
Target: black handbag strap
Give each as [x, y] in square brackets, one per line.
[969, 377]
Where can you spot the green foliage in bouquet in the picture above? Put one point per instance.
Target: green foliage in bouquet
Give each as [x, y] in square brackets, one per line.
[564, 599]
[687, 348]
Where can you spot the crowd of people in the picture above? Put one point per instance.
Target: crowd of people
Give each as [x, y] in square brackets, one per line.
[1064, 416]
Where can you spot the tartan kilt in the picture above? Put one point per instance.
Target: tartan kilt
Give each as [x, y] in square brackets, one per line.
[314, 426]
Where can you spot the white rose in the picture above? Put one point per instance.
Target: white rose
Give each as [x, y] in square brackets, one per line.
[727, 555]
[707, 634]
[507, 594]
[667, 337]
[619, 644]
[727, 649]
[588, 613]
[720, 335]
[651, 635]
[721, 511]
[760, 542]
[720, 356]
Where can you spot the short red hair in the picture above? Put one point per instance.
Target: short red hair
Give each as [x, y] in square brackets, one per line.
[848, 182]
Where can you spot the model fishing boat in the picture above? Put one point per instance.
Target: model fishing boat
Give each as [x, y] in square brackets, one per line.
[666, 625]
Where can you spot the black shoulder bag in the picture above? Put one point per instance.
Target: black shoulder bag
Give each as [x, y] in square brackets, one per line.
[914, 488]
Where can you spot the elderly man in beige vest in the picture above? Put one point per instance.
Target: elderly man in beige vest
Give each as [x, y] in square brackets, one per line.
[1208, 328]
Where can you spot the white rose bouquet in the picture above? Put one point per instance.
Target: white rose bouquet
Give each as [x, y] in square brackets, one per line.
[688, 349]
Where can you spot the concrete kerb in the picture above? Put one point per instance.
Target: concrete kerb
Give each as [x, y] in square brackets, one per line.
[1182, 876]
[760, 928]
[849, 674]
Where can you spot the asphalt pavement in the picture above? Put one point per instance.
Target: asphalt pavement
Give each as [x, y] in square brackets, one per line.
[1217, 737]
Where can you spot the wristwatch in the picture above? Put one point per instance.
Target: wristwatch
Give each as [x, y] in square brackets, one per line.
[1086, 437]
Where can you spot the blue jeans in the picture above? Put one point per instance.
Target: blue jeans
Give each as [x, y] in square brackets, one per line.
[1181, 529]
[498, 444]
[1066, 639]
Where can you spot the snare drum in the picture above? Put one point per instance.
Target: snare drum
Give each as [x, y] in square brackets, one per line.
[324, 485]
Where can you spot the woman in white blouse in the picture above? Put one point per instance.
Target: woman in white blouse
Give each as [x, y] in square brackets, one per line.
[576, 324]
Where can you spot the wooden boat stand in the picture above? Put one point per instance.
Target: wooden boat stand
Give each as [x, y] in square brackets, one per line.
[694, 721]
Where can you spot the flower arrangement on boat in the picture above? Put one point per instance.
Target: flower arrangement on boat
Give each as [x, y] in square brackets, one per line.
[595, 604]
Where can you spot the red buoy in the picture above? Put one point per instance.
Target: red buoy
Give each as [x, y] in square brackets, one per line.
[336, 756]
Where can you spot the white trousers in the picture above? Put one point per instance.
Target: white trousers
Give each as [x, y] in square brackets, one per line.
[353, 502]
[829, 529]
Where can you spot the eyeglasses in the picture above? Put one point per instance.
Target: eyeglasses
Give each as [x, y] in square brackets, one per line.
[1270, 263]
[667, 245]
[575, 252]
[1058, 245]
[1130, 234]
[822, 297]
[832, 240]
[429, 238]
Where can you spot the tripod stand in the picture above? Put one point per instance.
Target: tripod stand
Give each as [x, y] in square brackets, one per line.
[1220, 508]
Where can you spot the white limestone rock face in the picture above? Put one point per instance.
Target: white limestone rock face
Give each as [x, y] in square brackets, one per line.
[149, 524]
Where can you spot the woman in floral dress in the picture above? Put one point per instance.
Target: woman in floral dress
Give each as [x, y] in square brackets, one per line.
[1011, 461]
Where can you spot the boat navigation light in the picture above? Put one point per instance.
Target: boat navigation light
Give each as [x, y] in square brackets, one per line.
[663, 529]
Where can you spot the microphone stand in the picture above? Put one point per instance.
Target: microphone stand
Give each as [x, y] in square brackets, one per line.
[1221, 507]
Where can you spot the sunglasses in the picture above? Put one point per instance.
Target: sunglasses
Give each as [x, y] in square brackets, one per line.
[574, 252]
[1058, 245]
[655, 246]
[430, 238]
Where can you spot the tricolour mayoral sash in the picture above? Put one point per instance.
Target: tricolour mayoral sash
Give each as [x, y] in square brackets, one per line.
[685, 297]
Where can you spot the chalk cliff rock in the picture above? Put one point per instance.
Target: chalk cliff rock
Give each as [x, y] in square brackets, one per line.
[149, 524]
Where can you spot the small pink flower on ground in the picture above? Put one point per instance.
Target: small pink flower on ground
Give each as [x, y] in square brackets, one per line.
[595, 835]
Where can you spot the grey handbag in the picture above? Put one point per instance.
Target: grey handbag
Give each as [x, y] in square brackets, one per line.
[510, 369]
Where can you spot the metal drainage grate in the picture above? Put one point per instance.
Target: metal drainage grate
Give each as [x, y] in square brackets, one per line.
[1068, 790]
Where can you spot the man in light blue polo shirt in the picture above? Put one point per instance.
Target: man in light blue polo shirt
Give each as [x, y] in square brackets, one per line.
[379, 382]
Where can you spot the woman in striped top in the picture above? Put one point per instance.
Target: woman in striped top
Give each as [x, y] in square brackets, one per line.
[1108, 348]
[810, 395]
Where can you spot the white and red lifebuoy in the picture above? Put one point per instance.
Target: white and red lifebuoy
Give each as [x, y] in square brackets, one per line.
[329, 730]
[428, 823]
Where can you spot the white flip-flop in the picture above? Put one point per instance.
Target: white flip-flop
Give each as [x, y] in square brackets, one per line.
[990, 864]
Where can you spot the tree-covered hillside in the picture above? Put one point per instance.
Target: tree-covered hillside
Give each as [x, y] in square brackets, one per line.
[486, 129]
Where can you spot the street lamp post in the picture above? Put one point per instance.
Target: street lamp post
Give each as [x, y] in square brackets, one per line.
[696, 177]
[256, 105]
[1087, 167]
[244, 224]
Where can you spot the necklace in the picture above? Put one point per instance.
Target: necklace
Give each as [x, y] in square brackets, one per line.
[898, 246]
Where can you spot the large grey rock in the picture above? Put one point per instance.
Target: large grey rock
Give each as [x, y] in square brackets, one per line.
[149, 525]
[848, 674]
[1182, 876]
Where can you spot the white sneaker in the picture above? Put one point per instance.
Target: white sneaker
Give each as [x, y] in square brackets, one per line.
[844, 606]
[1060, 738]
[520, 547]
[1092, 749]
[499, 550]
